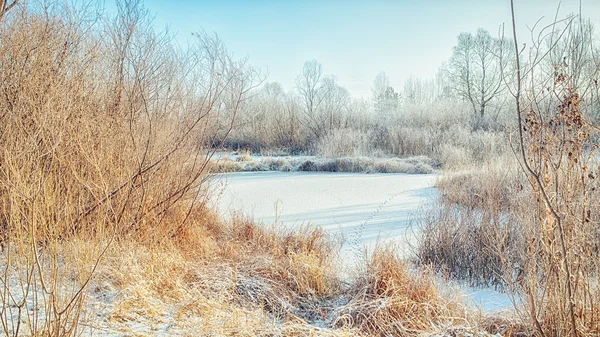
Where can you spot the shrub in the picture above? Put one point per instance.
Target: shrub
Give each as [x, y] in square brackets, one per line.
[93, 153]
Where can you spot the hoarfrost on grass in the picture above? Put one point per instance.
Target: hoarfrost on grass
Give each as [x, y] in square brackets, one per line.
[250, 163]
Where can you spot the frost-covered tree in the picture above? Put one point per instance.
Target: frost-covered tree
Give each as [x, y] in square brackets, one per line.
[385, 97]
[322, 98]
[419, 90]
[475, 68]
[335, 102]
[308, 84]
[380, 84]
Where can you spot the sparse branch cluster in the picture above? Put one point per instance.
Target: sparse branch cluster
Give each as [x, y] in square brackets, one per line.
[558, 150]
[105, 127]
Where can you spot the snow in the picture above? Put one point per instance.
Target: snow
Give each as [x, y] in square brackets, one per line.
[488, 299]
[363, 209]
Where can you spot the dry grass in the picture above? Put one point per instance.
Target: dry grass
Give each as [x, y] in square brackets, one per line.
[497, 185]
[229, 278]
[411, 165]
[93, 154]
[490, 230]
[389, 299]
[478, 219]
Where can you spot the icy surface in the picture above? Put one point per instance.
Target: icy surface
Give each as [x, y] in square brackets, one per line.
[489, 299]
[361, 208]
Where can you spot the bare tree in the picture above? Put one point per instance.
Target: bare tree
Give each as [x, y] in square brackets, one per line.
[419, 91]
[334, 104]
[442, 83]
[475, 67]
[309, 86]
[385, 97]
[380, 85]
[269, 119]
[323, 99]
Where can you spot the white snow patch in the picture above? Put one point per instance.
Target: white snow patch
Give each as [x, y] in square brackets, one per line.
[488, 299]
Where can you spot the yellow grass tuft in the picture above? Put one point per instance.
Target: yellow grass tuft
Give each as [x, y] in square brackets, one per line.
[389, 299]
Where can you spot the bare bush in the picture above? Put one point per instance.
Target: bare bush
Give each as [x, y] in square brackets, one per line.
[343, 143]
[535, 233]
[100, 136]
[560, 264]
[477, 222]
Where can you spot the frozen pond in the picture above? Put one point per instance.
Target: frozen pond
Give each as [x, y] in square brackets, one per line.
[362, 209]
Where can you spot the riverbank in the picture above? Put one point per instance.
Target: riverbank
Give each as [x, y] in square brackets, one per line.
[251, 163]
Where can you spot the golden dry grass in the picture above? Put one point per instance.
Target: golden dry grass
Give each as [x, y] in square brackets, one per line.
[99, 146]
[221, 278]
[389, 299]
[492, 228]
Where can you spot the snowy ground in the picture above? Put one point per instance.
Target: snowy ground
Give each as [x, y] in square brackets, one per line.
[362, 209]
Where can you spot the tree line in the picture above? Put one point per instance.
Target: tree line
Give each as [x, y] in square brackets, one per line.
[476, 80]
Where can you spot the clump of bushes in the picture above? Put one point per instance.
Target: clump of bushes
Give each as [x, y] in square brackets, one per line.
[478, 220]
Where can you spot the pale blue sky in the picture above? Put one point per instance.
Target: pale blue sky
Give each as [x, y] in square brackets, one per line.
[353, 39]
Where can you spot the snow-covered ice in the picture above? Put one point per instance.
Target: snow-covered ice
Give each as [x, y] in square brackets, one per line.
[363, 208]
[489, 299]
